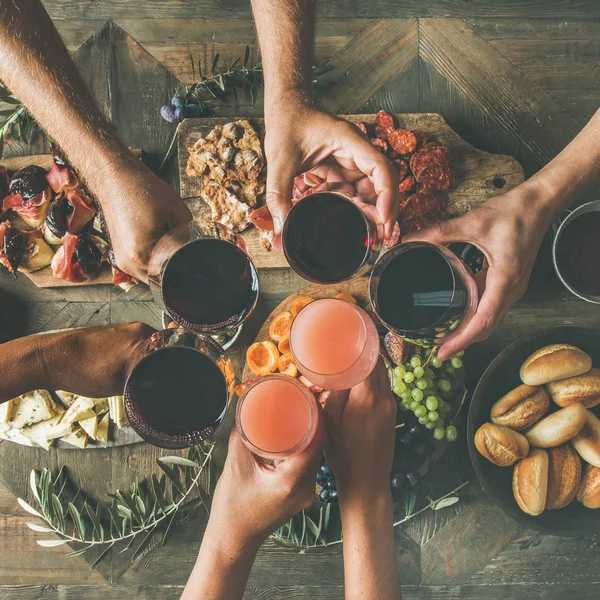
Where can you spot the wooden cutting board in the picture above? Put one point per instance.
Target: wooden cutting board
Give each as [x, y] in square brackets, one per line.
[479, 175]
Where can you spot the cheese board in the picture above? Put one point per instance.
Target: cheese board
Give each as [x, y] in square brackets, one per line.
[479, 175]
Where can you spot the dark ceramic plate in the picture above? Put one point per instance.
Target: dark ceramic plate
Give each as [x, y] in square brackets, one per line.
[499, 378]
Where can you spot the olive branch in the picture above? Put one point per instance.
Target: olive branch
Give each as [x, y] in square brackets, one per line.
[130, 516]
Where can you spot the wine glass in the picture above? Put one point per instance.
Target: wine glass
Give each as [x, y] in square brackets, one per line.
[178, 392]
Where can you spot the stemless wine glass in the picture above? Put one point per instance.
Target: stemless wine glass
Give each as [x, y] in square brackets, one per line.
[205, 284]
[335, 344]
[178, 392]
[277, 416]
[423, 292]
[327, 238]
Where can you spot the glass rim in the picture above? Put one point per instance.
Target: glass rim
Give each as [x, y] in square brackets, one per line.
[388, 257]
[312, 424]
[152, 432]
[338, 373]
[371, 237]
[223, 325]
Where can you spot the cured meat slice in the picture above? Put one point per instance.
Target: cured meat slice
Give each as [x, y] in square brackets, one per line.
[384, 120]
[422, 203]
[363, 127]
[380, 144]
[407, 185]
[428, 155]
[400, 166]
[422, 138]
[122, 280]
[438, 176]
[402, 141]
[33, 211]
[83, 211]
[61, 178]
[64, 263]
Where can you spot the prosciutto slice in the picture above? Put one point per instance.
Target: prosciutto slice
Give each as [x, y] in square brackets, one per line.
[64, 263]
[122, 280]
[61, 178]
[83, 211]
[33, 211]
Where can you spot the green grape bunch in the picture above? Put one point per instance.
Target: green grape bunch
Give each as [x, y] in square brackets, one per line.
[431, 389]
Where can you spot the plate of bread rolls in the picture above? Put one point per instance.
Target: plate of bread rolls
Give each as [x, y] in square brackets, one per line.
[534, 430]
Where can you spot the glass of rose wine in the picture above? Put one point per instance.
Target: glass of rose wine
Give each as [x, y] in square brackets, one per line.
[178, 392]
[335, 344]
[204, 284]
[327, 238]
[277, 416]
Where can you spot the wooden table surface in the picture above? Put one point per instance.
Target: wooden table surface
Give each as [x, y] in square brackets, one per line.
[516, 77]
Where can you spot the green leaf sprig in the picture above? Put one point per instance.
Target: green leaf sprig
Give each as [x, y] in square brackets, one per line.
[15, 121]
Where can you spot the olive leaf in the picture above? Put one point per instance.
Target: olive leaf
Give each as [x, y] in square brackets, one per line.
[449, 501]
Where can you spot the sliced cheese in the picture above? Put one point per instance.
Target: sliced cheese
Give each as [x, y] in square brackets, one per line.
[32, 408]
[102, 433]
[116, 406]
[78, 438]
[101, 406]
[6, 410]
[82, 408]
[90, 426]
[15, 435]
[67, 398]
[43, 434]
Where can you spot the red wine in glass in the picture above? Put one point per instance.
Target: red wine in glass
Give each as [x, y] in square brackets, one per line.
[177, 394]
[209, 285]
[327, 238]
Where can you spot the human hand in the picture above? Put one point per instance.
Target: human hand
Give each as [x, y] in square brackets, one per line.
[92, 362]
[360, 426]
[253, 498]
[300, 138]
[508, 229]
[139, 209]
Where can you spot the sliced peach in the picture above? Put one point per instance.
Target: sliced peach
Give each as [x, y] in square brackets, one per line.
[284, 345]
[287, 365]
[346, 297]
[300, 303]
[172, 325]
[279, 328]
[262, 357]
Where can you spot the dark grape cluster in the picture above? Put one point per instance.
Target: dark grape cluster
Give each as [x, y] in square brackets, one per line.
[326, 482]
[179, 109]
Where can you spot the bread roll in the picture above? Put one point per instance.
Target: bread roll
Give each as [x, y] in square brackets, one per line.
[557, 428]
[583, 388]
[589, 488]
[521, 408]
[500, 445]
[555, 362]
[564, 476]
[587, 441]
[530, 482]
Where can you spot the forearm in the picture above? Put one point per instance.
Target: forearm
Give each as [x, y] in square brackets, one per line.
[37, 68]
[370, 567]
[571, 173]
[222, 568]
[285, 32]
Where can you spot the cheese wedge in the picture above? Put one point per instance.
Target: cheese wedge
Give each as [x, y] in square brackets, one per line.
[78, 438]
[43, 434]
[32, 408]
[102, 433]
[90, 426]
[116, 406]
[101, 406]
[15, 435]
[6, 410]
[82, 408]
[67, 398]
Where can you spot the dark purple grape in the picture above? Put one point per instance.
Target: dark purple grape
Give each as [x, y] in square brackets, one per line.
[413, 478]
[176, 101]
[88, 255]
[29, 182]
[398, 483]
[56, 220]
[325, 495]
[167, 112]
[331, 485]
[15, 244]
[333, 496]
[193, 110]
[326, 469]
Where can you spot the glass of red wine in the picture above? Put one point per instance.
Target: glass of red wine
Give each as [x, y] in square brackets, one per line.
[423, 292]
[327, 238]
[178, 392]
[204, 284]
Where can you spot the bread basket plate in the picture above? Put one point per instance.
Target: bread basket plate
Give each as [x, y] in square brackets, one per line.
[500, 378]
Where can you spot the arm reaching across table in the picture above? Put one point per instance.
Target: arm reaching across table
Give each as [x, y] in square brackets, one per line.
[362, 473]
[300, 137]
[250, 501]
[34, 63]
[509, 229]
[92, 362]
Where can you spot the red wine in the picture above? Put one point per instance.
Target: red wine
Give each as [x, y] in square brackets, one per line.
[176, 396]
[417, 289]
[209, 285]
[326, 238]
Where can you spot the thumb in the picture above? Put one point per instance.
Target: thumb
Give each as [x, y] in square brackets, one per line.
[280, 181]
[440, 233]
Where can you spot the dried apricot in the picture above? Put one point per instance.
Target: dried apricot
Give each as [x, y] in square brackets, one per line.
[262, 358]
[279, 328]
[300, 303]
[346, 297]
[287, 366]
[284, 345]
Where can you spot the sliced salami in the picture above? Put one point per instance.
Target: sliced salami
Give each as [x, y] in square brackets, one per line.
[382, 133]
[438, 176]
[363, 127]
[402, 141]
[380, 144]
[422, 138]
[400, 166]
[384, 120]
[407, 185]
[428, 155]
[421, 203]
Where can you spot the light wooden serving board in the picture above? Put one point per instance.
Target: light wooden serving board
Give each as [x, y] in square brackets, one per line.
[479, 175]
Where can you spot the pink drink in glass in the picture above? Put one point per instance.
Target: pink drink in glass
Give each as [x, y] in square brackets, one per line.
[335, 344]
[277, 416]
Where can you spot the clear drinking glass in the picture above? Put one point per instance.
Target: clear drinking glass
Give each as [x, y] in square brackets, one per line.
[335, 344]
[203, 283]
[277, 416]
[423, 292]
[178, 392]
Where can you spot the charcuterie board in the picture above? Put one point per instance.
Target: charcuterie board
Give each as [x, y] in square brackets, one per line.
[479, 175]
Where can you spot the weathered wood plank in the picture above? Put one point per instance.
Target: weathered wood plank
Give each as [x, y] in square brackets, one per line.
[486, 78]
[536, 29]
